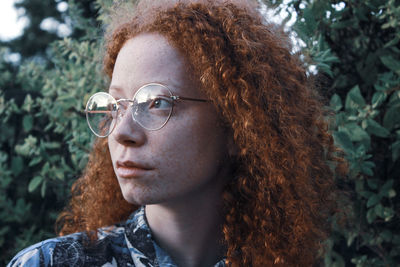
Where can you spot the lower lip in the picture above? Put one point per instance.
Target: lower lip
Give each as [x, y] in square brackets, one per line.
[129, 172]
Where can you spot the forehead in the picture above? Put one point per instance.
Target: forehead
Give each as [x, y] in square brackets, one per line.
[148, 58]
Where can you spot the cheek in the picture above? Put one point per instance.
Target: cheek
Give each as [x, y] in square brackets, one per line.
[195, 150]
[112, 147]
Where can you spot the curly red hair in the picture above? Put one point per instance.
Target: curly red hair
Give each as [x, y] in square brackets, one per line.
[283, 192]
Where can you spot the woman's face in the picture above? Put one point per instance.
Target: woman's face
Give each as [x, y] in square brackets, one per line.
[184, 159]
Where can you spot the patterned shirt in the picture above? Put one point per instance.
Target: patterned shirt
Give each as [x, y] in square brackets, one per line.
[126, 244]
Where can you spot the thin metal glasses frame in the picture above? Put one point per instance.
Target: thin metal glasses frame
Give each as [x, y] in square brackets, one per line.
[131, 101]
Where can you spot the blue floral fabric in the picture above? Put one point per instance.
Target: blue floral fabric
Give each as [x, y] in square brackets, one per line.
[126, 244]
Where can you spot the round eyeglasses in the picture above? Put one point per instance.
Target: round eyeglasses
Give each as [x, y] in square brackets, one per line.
[151, 107]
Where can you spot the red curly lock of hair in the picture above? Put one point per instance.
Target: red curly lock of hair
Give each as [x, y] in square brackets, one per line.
[278, 203]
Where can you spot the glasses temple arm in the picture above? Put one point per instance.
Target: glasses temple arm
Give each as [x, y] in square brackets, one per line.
[97, 111]
[175, 97]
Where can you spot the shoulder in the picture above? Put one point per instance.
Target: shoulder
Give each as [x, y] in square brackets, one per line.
[41, 254]
[74, 250]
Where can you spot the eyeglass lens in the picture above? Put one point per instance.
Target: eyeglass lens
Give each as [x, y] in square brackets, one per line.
[151, 108]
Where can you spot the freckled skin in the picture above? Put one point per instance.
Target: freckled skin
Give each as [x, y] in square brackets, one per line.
[188, 154]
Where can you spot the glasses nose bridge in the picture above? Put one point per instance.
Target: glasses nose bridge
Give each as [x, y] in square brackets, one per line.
[123, 108]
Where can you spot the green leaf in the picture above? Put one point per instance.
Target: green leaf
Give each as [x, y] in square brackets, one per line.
[34, 183]
[394, 100]
[59, 175]
[336, 102]
[366, 168]
[325, 68]
[52, 145]
[361, 151]
[379, 210]
[351, 238]
[45, 168]
[355, 132]
[391, 120]
[354, 99]
[388, 213]
[391, 63]
[43, 189]
[34, 161]
[378, 98]
[380, 88]
[27, 123]
[373, 200]
[28, 103]
[343, 140]
[376, 129]
[371, 215]
[392, 42]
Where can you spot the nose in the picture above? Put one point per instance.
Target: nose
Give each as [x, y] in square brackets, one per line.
[127, 131]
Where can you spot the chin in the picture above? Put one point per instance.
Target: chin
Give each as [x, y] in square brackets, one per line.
[145, 192]
[141, 198]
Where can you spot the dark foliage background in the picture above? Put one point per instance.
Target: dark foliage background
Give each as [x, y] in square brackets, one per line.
[351, 48]
[34, 41]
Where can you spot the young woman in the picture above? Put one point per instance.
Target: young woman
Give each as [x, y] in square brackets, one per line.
[212, 151]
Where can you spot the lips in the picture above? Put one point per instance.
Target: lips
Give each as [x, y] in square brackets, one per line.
[130, 169]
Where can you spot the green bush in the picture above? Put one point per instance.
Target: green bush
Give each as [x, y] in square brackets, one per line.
[44, 141]
[354, 48]
[354, 45]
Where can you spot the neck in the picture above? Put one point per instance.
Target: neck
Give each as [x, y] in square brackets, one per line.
[189, 229]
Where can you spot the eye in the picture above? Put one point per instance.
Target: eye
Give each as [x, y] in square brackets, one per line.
[160, 103]
[111, 107]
